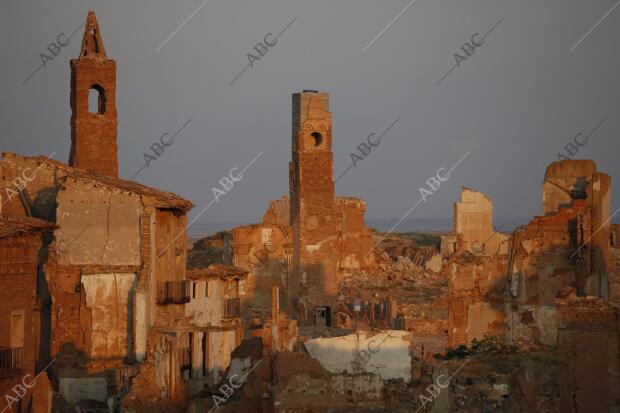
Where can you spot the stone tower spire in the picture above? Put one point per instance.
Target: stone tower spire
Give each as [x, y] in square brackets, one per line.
[92, 44]
[93, 105]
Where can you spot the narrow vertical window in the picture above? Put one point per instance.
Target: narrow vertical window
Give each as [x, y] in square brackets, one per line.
[96, 99]
[17, 329]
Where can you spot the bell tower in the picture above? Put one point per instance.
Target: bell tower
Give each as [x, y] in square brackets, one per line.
[93, 105]
[314, 215]
[312, 166]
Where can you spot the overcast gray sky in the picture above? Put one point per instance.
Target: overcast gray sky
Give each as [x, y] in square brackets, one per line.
[513, 104]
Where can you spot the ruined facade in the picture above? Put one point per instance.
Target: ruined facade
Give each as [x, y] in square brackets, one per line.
[473, 224]
[476, 298]
[122, 318]
[569, 246]
[266, 251]
[474, 259]
[555, 289]
[213, 315]
[510, 290]
[24, 312]
[307, 241]
[475, 264]
[116, 267]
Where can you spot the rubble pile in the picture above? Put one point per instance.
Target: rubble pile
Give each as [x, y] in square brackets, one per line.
[417, 297]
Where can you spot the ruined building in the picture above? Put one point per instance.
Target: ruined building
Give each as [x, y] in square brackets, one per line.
[24, 311]
[569, 246]
[554, 288]
[214, 315]
[511, 283]
[473, 224]
[308, 241]
[106, 293]
[543, 300]
[115, 244]
[475, 262]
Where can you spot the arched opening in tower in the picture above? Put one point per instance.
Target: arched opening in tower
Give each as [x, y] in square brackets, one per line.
[96, 99]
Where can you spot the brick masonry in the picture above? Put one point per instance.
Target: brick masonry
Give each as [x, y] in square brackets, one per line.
[93, 134]
[19, 277]
[307, 242]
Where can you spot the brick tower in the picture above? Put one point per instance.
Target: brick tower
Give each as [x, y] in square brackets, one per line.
[94, 129]
[314, 216]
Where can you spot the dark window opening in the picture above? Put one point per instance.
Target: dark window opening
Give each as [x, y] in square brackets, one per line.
[96, 100]
[191, 355]
[579, 190]
[318, 138]
[194, 290]
[232, 308]
[94, 33]
[204, 354]
[324, 316]
[173, 292]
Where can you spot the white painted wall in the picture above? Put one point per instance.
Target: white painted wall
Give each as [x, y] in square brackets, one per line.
[208, 310]
[387, 353]
[80, 388]
[221, 344]
[141, 325]
[107, 298]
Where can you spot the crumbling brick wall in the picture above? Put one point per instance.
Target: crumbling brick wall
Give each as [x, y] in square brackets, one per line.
[575, 185]
[589, 339]
[67, 319]
[476, 293]
[266, 251]
[568, 247]
[399, 294]
[565, 180]
[356, 240]
[539, 268]
[473, 221]
[19, 298]
[37, 178]
[159, 381]
[476, 266]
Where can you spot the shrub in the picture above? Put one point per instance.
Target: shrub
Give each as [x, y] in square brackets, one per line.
[423, 239]
[489, 345]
